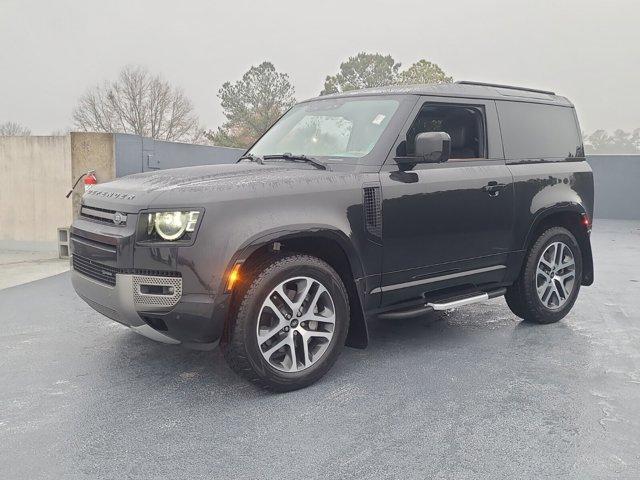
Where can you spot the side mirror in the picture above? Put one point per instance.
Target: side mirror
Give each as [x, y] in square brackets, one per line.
[433, 147]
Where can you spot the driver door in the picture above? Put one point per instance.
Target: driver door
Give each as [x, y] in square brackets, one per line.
[447, 224]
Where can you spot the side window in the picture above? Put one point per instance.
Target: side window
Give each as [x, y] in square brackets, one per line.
[532, 130]
[464, 124]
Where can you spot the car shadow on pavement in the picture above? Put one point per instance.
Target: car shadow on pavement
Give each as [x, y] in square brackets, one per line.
[154, 366]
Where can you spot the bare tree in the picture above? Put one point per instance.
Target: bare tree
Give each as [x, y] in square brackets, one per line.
[8, 129]
[140, 103]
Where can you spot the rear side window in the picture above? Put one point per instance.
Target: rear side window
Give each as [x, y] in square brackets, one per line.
[531, 130]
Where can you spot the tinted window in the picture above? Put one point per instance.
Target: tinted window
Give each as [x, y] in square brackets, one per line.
[532, 130]
[464, 125]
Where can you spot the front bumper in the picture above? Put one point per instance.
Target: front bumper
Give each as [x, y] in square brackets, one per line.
[124, 301]
[158, 292]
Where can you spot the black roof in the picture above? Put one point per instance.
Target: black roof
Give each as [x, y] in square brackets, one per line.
[463, 90]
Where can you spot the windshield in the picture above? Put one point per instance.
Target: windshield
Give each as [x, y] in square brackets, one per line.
[339, 127]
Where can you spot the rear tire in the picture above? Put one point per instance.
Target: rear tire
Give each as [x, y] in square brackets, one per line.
[290, 325]
[550, 279]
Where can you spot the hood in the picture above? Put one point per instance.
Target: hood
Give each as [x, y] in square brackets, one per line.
[193, 186]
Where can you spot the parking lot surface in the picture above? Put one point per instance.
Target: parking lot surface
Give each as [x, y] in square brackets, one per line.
[20, 267]
[474, 393]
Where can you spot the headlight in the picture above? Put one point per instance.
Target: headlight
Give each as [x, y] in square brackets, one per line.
[172, 225]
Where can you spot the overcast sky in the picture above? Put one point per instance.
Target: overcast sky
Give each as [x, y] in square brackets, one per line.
[51, 51]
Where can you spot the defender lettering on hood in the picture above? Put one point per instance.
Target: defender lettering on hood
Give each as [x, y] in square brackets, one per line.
[93, 192]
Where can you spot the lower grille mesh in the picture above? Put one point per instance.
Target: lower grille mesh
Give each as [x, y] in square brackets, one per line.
[168, 300]
[107, 274]
[98, 271]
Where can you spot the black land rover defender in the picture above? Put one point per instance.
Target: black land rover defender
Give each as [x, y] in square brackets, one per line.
[388, 202]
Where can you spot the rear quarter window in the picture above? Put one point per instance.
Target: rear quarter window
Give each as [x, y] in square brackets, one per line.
[531, 130]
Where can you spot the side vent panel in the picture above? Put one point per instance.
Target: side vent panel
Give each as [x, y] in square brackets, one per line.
[372, 204]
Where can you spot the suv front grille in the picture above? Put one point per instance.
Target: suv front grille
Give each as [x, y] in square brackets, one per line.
[98, 271]
[103, 215]
[106, 274]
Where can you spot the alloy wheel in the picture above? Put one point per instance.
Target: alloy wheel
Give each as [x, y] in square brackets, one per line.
[555, 275]
[296, 324]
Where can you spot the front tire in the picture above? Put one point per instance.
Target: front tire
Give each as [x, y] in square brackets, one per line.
[550, 280]
[291, 323]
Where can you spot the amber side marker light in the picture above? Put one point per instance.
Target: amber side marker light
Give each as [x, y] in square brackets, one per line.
[234, 276]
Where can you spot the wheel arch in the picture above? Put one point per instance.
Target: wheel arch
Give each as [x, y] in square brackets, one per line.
[325, 242]
[573, 218]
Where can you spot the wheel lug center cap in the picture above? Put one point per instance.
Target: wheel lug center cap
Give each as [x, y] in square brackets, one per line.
[294, 323]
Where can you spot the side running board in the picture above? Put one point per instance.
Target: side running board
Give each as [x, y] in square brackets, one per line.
[444, 304]
[448, 305]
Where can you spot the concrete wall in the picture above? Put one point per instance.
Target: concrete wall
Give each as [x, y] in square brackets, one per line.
[35, 174]
[617, 185]
[91, 151]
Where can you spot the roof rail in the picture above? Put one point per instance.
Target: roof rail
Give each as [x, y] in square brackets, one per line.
[482, 84]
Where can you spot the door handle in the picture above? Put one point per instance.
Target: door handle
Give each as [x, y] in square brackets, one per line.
[493, 188]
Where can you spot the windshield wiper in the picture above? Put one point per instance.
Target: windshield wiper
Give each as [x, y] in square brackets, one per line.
[252, 157]
[298, 158]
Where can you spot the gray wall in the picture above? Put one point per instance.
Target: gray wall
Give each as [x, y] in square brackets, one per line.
[35, 175]
[135, 154]
[617, 185]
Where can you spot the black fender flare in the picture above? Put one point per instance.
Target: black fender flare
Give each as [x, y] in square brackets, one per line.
[584, 239]
[358, 335]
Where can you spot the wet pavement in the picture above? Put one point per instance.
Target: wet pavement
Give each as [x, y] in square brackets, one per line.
[473, 393]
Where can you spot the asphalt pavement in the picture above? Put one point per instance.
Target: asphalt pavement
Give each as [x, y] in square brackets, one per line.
[474, 393]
